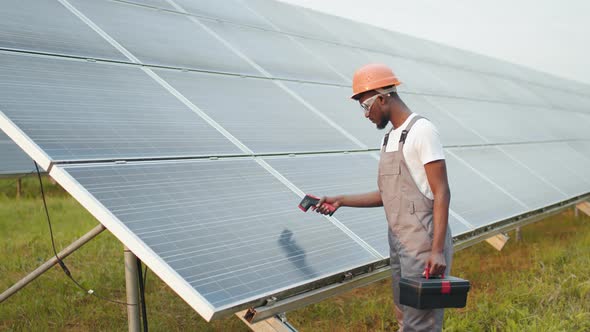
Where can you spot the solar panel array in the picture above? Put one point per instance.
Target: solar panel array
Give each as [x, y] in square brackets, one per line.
[191, 129]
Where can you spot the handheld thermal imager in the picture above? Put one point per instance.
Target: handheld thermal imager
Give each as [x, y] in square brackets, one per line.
[310, 201]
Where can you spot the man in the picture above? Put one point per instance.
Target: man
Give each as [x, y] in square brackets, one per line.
[413, 189]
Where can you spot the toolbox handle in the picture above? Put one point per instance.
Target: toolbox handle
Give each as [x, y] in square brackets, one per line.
[427, 273]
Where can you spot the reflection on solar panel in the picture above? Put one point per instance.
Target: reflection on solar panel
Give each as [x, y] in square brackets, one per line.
[257, 101]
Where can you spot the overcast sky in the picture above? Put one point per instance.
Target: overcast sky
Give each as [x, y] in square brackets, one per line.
[548, 35]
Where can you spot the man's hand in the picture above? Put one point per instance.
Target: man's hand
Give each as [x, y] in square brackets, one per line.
[321, 207]
[437, 263]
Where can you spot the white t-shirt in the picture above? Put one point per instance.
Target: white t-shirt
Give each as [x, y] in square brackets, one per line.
[422, 146]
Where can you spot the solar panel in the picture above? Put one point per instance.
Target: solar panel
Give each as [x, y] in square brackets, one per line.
[13, 160]
[346, 31]
[234, 11]
[77, 110]
[154, 3]
[414, 75]
[582, 147]
[477, 200]
[227, 228]
[271, 50]
[498, 122]
[335, 102]
[452, 132]
[337, 175]
[344, 60]
[47, 26]
[258, 112]
[545, 160]
[162, 38]
[531, 189]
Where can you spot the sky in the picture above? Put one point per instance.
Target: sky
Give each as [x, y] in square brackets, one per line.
[547, 35]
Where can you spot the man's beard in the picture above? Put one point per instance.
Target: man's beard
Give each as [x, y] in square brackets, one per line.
[381, 125]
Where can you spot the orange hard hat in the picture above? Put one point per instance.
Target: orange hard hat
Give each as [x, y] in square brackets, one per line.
[372, 76]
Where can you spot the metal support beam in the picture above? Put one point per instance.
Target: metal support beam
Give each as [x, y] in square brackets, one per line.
[498, 241]
[273, 307]
[517, 235]
[132, 285]
[278, 323]
[51, 262]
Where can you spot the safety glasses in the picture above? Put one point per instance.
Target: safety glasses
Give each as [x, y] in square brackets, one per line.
[367, 104]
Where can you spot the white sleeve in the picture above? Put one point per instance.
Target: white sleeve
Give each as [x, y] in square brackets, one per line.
[428, 144]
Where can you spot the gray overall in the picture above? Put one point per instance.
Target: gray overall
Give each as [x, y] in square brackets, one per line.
[409, 215]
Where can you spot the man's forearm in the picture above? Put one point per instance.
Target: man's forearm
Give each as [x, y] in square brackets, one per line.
[370, 199]
[440, 220]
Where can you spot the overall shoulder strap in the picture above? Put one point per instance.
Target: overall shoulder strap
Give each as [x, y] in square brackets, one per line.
[402, 138]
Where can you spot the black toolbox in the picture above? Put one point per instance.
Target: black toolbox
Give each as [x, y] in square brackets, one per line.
[423, 293]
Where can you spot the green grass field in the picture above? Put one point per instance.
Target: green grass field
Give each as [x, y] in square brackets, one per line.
[539, 284]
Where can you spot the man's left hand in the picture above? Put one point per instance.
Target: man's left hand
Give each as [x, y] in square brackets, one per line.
[437, 263]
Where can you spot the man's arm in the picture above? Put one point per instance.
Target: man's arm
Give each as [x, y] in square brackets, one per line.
[370, 199]
[436, 172]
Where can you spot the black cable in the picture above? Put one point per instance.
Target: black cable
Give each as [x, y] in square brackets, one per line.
[59, 260]
[142, 296]
[145, 276]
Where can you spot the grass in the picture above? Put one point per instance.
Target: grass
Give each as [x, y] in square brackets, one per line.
[541, 283]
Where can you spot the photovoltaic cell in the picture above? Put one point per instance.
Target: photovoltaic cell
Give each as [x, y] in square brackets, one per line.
[79, 110]
[162, 38]
[258, 113]
[47, 26]
[261, 245]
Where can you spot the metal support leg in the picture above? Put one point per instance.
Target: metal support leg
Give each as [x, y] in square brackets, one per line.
[517, 234]
[51, 262]
[19, 188]
[132, 285]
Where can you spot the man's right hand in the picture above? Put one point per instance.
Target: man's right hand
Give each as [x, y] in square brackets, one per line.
[323, 209]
